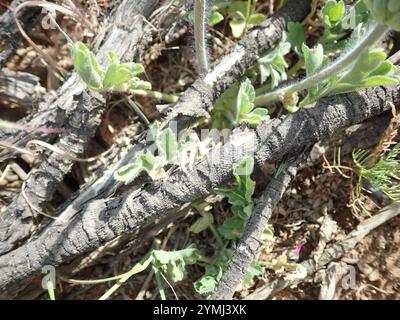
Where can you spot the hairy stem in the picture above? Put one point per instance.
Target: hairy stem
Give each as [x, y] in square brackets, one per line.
[200, 35]
[374, 34]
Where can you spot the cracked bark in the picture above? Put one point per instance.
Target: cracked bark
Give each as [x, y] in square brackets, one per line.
[102, 220]
[126, 23]
[250, 243]
[83, 110]
[193, 104]
[199, 98]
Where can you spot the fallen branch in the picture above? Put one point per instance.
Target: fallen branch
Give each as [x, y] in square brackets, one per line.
[19, 87]
[83, 119]
[250, 242]
[332, 252]
[102, 220]
[193, 105]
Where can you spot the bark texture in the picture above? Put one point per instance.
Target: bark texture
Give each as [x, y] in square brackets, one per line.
[102, 220]
[250, 242]
[82, 110]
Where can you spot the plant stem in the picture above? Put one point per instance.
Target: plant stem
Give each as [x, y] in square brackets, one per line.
[200, 35]
[170, 98]
[374, 34]
[159, 283]
[217, 236]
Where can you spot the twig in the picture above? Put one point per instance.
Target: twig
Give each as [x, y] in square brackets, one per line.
[333, 252]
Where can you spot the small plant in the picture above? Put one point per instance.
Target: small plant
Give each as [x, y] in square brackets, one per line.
[243, 16]
[240, 200]
[274, 65]
[170, 152]
[359, 65]
[117, 77]
[382, 174]
[236, 105]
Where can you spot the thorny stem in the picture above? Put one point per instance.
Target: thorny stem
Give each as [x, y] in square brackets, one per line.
[200, 35]
[374, 34]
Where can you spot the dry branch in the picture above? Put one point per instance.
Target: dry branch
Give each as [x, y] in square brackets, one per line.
[102, 220]
[19, 87]
[82, 110]
[193, 104]
[332, 252]
[250, 242]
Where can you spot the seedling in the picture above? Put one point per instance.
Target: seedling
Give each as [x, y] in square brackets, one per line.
[236, 106]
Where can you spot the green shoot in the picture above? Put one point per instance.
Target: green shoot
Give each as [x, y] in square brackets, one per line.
[235, 106]
[383, 175]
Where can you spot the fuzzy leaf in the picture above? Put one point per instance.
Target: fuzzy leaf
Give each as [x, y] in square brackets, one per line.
[175, 262]
[202, 223]
[144, 162]
[254, 270]
[86, 66]
[209, 281]
[167, 145]
[296, 36]
[256, 19]
[240, 200]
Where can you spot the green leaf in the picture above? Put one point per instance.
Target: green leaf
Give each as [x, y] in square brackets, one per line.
[167, 145]
[173, 263]
[237, 26]
[144, 162]
[209, 281]
[273, 64]
[128, 172]
[86, 66]
[214, 18]
[245, 98]
[236, 105]
[232, 228]
[254, 270]
[256, 19]
[238, 11]
[202, 223]
[333, 12]
[268, 234]
[296, 36]
[240, 199]
[314, 58]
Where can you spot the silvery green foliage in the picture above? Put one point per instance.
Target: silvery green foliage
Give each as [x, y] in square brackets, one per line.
[236, 105]
[370, 69]
[385, 12]
[240, 199]
[273, 64]
[118, 76]
[170, 151]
